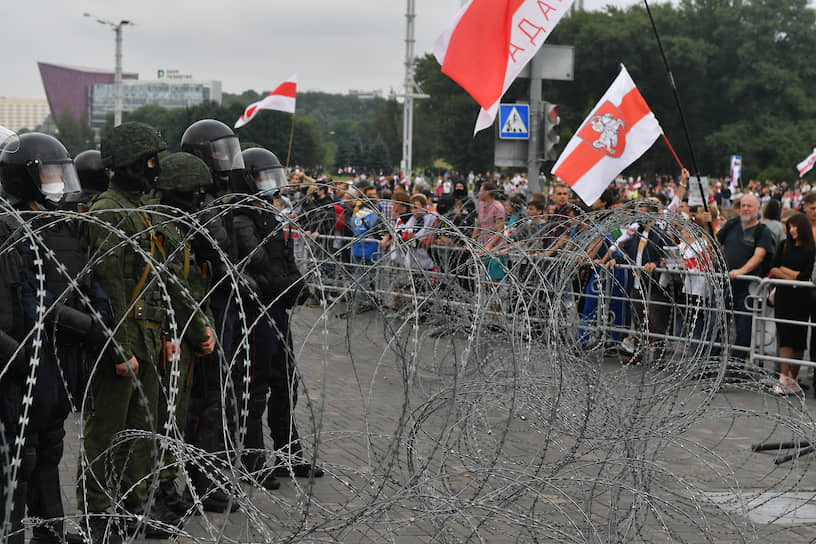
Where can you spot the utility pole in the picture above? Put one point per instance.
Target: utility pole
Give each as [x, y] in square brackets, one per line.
[533, 162]
[409, 92]
[117, 78]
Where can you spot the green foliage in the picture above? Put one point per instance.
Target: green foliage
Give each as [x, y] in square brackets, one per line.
[742, 69]
[75, 136]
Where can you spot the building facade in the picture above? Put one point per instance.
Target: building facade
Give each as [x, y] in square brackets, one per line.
[165, 93]
[19, 113]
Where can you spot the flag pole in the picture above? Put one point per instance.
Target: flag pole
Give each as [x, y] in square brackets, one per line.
[679, 108]
[672, 151]
[291, 137]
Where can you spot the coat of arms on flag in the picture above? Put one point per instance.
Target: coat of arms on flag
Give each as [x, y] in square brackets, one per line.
[619, 129]
[605, 131]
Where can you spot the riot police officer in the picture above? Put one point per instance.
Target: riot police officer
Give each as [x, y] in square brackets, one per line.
[268, 258]
[34, 179]
[128, 386]
[93, 177]
[214, 143]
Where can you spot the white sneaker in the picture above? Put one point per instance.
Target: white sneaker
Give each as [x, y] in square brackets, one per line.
[792, 385]
[628, 345]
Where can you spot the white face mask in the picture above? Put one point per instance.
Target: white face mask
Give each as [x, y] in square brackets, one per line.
[53, 191]
[266, 185]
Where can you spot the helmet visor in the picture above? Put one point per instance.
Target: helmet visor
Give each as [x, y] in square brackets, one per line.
[226, 154]
[9, 141]
[58, 178]
[270, 179]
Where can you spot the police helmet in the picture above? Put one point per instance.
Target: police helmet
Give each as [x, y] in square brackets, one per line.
[39, 168]
[215, 143]
[264, 172]
[93, 176]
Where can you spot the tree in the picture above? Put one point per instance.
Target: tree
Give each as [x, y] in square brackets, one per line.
[75, 136]
[377, 156]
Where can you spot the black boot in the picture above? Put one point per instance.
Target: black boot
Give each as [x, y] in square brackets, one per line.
[103, 532]
[213, 499]
[299, 470]
[44, 497]
[172, 499]
[161, 522]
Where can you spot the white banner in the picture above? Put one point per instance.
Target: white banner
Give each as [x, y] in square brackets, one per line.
[695, 197]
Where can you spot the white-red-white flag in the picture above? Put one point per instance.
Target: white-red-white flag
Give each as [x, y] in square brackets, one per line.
[282, 99]
[488, 43]
[807, 165]
[620, 129]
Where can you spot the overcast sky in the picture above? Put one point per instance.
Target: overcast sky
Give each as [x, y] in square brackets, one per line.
[331, 45]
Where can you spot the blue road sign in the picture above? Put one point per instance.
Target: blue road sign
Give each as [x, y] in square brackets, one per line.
[514, 121]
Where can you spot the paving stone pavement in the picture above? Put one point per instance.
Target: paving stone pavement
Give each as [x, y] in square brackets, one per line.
[359, 406]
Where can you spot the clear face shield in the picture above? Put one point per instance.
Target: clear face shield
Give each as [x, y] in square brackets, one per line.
[270, 181]
[57, 179]
[9, 141]
[226, 154]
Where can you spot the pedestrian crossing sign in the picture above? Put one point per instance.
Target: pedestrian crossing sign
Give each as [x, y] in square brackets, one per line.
[514, 121]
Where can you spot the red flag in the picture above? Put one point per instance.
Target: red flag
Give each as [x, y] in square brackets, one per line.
[620, 129]
[489, 42]
[282, 99]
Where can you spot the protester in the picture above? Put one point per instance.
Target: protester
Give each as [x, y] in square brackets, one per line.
[793, 260]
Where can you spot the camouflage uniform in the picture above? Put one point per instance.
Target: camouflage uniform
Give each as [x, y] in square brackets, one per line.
[183, 175]
[124, 402]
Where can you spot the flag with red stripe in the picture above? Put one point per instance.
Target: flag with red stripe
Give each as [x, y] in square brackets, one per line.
[282, 99]
[619, 130]
[489, 42]
[807, 165]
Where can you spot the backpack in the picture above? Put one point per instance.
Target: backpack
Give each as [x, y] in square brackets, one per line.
[765, 266]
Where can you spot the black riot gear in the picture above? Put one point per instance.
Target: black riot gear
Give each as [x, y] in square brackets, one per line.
[93, 176]
[264, 172]
[217, 145]
[39, 170]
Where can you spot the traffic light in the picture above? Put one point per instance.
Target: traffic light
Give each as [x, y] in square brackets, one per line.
[552, 131]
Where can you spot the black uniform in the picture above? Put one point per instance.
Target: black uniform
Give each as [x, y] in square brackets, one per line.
[268, 258]
[12, 333]
[203, 426]
[59, 368]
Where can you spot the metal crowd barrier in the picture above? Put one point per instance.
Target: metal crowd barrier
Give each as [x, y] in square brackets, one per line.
[460, 271]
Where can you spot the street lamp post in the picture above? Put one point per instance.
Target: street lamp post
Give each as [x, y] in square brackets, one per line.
[117, 79]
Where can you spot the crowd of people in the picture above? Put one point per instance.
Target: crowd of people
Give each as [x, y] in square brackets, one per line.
[506, 221]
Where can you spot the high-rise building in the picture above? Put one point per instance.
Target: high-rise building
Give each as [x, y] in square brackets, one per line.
[18, 113]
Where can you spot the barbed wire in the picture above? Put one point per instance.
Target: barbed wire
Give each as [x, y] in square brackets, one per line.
[478, 400]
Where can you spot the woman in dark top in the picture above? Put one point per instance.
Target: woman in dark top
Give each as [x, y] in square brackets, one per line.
[793, 260]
